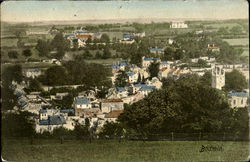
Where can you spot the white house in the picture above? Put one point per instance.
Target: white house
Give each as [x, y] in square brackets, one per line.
[32, 72]
[155, 82]
[145, 90]
[178, 24]
[146, 61]
[238, 99]
[121, 92]
[132, 77]
[156, 50]
[109, 105]
[82, 103]
[163, 73]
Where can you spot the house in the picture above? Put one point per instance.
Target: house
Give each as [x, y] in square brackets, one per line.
[82, 103]
[59, 96]
[155, 82]
[128, 36]
[119, 66]
[143, 34]
[164, 64]
[156, 50]
[238, 99]
[145, 90]
[132, 77]
[163, 73]
[146, 61]
[79, 42]
[113, 115]
[32, 72]
[178, 25]
[109, 105]
[48, 122]
[121, 92]
[213, 48]
[170, 40]
[137, 87]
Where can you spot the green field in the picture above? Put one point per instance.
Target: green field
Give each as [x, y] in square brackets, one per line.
[129, 151]
[238, 41]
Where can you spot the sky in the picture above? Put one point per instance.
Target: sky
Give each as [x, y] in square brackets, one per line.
[30, 11]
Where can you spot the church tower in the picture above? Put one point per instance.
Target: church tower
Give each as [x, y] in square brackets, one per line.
[218, 76]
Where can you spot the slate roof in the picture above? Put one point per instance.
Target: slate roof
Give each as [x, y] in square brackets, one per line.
[156, 49]
[150, 59]
[69, 35]
[139, 85]
[120, 89]
[67, 111]
[53, 120]
[115, 66]
[238, 94]
[130, 73]
[33, 70]
[147, 88]
[123, 63]
[42, 111]
[82, 100]
[128, 35]
[164, 63]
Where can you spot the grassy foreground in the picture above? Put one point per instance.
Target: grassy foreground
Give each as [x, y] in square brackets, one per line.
[129, 151]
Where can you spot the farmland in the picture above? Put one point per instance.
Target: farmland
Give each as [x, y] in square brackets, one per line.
[102, 151]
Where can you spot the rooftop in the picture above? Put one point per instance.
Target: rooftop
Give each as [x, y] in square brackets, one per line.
[114, 114]
[150, 58]
[112, 100]
[238, 94]
[120, 89]
[82, 100]
[146, 88]
[53, 120]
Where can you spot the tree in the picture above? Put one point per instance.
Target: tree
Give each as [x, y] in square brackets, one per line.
[55, 75]
[153, 69]
[12, 73]
[13, 54]
[106, 53]
[43, 47]
[121, 79]
[235, 81]
[185, 105]
[105, 38]
[17, 125]
[9, 100]
[61, 44]
[35, 85]
[111, 129]
[139, 78]
[27, 53]
[202, 63]
[98, 55]
[236, 30]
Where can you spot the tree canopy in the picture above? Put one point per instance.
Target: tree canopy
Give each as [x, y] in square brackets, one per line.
[235, 81]
[185, 106]
[153, 69]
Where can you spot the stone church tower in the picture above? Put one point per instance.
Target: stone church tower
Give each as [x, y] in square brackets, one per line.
[218, 76]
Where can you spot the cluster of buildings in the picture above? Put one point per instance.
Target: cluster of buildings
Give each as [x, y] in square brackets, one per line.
[81, 36]
[129, 38]
[178, 25]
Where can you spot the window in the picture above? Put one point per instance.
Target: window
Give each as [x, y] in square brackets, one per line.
[234, 102]
[242, 101]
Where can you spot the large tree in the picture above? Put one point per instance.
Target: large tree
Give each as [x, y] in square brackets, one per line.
[235, 81]
[27, 53]
[185, 106]
[153, 69]
[121, 79]
[43, 47]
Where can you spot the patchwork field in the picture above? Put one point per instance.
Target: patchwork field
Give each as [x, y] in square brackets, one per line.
[107, 151]
[238, 42]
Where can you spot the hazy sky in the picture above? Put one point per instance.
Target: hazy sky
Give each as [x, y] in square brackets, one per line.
[19, 11]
